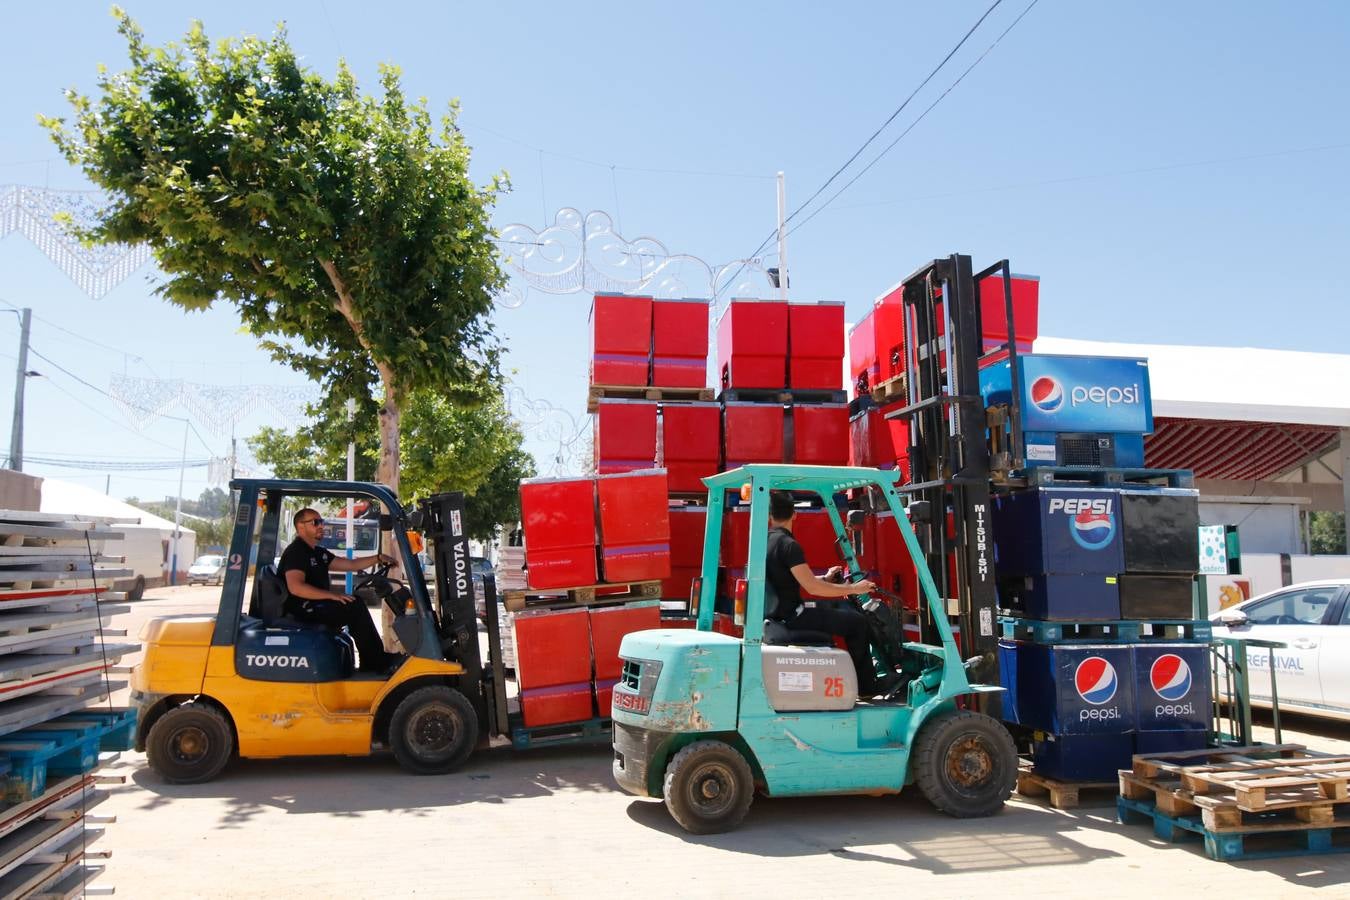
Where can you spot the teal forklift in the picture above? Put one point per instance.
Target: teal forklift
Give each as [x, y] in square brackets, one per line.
[705, 721]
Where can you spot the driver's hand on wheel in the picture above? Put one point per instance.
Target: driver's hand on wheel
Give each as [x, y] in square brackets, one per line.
[862, 587]
[383, 559]
[343, 598]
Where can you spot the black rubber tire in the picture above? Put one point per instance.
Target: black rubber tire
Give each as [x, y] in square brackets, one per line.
[189, 744]
[965, 764]
[433, 730]
[137, 589]
[708, 787]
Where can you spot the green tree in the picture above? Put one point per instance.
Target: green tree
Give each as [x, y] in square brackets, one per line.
[1326, 532]
[448, 447]
[344, 228]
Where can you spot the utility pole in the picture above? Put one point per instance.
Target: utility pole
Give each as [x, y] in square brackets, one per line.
[782, 238]
[351, 476]
[178, 509]
[20, 377]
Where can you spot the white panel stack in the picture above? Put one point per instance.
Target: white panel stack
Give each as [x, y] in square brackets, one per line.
[55, 662]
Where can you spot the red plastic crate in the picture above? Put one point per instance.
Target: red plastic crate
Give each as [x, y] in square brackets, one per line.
[820, 434]
[686, 535]
[625, 435]
[680, 343]
[558, 516]
[888, 329]
[867, 554]
[752, 433]
[878, 442]
[816, 345]
[609, 625]
[1026, 290]
[604, 696]
[813, 531]
[621, 339]
[862, 357]
[691, 444]
[634, 526]
[553, 646]
[736, 536]
[752, 344]
[557, 704]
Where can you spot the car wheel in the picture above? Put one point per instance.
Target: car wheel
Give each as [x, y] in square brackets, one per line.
[433, 730]
[137, 588]
[189, 744]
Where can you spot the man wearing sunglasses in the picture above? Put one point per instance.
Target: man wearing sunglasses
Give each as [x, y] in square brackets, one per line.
[310, 598]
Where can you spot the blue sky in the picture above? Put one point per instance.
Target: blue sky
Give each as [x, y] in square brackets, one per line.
[1174, 173]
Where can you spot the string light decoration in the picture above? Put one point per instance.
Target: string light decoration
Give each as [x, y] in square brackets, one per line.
[37, 214]
[218, 408]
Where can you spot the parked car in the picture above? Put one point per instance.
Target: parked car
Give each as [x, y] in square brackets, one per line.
[1312, 673]
[207, 570]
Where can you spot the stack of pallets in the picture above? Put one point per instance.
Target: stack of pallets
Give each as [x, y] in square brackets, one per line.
[55, 665]
[1245, 802]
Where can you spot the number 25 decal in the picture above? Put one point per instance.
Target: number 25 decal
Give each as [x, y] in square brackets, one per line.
[834, 687]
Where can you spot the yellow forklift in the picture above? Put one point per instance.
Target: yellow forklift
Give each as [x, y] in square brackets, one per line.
[251, 682]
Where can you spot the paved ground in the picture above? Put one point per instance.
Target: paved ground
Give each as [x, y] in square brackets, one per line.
[552, 823]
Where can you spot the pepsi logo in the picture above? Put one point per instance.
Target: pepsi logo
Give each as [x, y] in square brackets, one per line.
[1092, 530]
[1095, 680]
[1170, 676]
[1047, 394]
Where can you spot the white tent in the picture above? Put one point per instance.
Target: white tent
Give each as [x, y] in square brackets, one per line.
[149, 541]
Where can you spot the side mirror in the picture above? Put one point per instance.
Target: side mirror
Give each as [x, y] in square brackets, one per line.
[1233, 618]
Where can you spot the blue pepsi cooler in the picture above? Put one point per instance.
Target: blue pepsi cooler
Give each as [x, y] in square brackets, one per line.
[1080, 598]
[1077, 410]
[1058, 530]
[1083, 757]
[1069, 689]
[1172, 687]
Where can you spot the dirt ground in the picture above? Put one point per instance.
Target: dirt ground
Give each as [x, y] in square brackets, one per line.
[552, 823]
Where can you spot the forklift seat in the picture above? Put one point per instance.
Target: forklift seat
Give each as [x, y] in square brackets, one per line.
[777, 634]
[269, 596]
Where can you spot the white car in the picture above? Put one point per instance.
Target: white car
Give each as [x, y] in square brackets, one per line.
[1312, 620]
[207, 570]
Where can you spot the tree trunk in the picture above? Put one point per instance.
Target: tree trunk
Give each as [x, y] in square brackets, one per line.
[390, 417]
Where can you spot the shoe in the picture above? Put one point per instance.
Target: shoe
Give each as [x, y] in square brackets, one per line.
[889, 684]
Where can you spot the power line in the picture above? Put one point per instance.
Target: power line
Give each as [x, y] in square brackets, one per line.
[913, 124]
[95, 465]
[103, 415]
[764, 243]
[88, 340]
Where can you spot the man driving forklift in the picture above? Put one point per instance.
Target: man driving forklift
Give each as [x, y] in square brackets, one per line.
[310, 598]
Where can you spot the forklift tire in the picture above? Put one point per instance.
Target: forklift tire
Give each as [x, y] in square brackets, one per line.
[189, 744]
[708, 787]
[965, 764]
[433, 730]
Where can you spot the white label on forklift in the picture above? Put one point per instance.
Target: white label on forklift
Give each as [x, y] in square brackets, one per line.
[279, 640]
[1043, 452]
[796, 681]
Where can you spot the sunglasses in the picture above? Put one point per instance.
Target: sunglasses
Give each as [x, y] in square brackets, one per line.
[311, 522]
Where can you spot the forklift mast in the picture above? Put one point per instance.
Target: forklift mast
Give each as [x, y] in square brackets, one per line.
[441, 517]
[949, 445]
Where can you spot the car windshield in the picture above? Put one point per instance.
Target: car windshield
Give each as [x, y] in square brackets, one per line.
[209, 560]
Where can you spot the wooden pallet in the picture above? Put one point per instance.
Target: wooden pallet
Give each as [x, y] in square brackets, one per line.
[890, 390]
[585, 595]
[1115, 632]
[782, 395]
[591, 731]
[1062, 794]
[1261, 836]
[1073, 476]
[598, 392]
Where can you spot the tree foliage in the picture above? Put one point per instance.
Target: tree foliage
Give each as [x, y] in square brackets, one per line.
[1326, 532]
[343, 227]
[475, 449]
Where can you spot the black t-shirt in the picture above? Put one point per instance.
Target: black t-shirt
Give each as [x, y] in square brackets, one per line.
[312, 561]
[782, 553]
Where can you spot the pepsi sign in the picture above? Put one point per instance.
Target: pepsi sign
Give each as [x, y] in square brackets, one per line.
[1095, 680]
[1059, 530]
[1173, 686]
[1072, 688]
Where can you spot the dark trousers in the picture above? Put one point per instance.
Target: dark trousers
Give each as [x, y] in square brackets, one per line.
[845, 621]
[354, 615]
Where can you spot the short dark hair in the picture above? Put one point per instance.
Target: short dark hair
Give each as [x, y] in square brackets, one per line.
[295, 519]
[781, 507]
